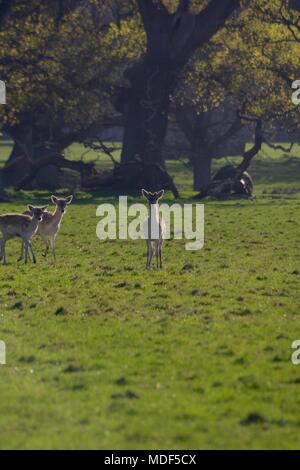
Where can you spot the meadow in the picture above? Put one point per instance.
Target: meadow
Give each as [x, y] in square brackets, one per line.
[104, 355]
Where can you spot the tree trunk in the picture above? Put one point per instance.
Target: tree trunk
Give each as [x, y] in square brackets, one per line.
[2, 192]
[146, 107]
[195, 128]
[172, 38]
[25, 150]
[16, 165]
[202, 170]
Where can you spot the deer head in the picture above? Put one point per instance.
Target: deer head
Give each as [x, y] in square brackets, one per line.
[153, 198]
[62, 203]
[37, 212]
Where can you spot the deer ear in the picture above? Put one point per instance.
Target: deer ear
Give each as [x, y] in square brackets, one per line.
[44, 208]
[30, 208]
[160, 194]
[69, 199]
[145, 193]
[54, 199]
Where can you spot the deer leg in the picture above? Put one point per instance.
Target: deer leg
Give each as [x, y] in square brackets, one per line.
[160, 256]
[32, 252]
[22, 252]
[53, 244]
[148, 255]
[46, 241]
[3, 252]
[26, 252]
[151, 255]
[157, 253]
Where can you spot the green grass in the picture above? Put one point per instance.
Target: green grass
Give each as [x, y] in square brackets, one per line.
[102, 354]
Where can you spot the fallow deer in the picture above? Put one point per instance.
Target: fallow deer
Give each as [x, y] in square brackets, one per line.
[23, 226]
[49, 227]
[154, 228]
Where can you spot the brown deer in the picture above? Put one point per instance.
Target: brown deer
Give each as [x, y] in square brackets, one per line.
[49, 227]
[23, 226]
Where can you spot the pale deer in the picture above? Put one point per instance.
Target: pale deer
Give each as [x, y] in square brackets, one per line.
[154, 229]
[49, 227]
[23, 226]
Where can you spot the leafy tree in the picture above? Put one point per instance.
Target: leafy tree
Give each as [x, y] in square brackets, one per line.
[254, 60]
[174, 31]
[65, 62]
[58, 76]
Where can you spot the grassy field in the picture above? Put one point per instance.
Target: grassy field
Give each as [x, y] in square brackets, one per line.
[102, 354]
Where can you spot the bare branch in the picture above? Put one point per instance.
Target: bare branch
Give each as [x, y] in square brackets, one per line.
[211, 19]
[250, 154]
[103, 148]
[280, 147]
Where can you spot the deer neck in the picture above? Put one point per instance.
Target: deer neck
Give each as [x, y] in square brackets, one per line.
[33, 225]
[57, 216]
[154, 213]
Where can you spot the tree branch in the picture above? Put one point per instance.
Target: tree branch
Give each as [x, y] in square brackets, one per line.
[250, 154]
[5, 6]
[280, 147]
[231, 131]
[58, 161]
[211, 19]
[150, 12]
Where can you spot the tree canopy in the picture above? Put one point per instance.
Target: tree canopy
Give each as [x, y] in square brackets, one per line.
[71, 65]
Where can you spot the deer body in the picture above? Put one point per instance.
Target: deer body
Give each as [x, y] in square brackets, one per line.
[154, 229]
[50, 225]
[23, 226]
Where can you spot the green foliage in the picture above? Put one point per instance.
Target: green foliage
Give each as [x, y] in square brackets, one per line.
[254, 59]
[64, 71]
[57, 71]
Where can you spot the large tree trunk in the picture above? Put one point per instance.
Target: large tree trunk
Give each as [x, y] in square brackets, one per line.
[17, 163]
[26, 150]
[146, 107]
[171, 41]
[2, 191]
[195, 128]
[202, 165]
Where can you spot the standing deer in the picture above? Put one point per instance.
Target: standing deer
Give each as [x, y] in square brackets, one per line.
[23, 226]
[154, 228]
[50, 225]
